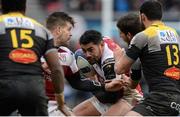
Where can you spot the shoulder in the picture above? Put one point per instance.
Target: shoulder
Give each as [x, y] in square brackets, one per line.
[150, 31]
[34, 21]
[139, 40]
[107, 54]
[66, 55]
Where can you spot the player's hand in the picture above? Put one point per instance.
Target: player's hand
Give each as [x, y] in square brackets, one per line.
[61, 104]
[66, 110]
[46, 68]
[126, 79]
[114, 85]
[118, 52]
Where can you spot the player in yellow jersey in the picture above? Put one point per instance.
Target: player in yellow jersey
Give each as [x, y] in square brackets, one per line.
[158, 48]
[22, 43]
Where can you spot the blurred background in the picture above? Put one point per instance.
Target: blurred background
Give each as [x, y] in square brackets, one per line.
[100, 15]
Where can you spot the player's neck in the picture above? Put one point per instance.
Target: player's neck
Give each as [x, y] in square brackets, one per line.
[150, 22]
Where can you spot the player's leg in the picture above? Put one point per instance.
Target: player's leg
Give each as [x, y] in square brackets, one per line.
[86, 108]
[120, 108]
[8, 96]
[133, 113]
[33, 100]
[157, 104]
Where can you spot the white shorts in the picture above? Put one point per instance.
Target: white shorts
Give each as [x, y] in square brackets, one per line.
[53, 109]
[102, 108]
[132, 96]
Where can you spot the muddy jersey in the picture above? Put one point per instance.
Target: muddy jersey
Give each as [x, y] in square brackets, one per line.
[22, 42]
[158, 49]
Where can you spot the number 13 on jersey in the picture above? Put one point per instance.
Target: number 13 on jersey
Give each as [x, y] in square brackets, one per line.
[172, 52]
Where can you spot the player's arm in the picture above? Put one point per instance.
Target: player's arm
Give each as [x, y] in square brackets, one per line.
[126, 60]
[57, 75]
[135, 74]
[123, 63]
[117, 84]
[52, 60]
[84, 84]
[132, 81]
[80, 79]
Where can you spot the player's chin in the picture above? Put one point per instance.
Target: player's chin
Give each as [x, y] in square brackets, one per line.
[90, 60]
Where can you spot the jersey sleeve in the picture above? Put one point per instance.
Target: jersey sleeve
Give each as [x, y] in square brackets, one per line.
[137, 44]
[108, 68]
[67, 58]
[135, 72]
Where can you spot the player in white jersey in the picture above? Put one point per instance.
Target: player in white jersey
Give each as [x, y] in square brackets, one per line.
[60, 24]
[99, 52]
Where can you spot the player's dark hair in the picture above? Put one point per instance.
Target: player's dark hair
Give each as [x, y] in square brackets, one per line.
[90, 36]
[152, 9]
[13, 6]
[58, 18]
[129, 23]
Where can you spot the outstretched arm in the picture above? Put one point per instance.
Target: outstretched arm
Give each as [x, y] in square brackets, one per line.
[57, 77]
[122, 62]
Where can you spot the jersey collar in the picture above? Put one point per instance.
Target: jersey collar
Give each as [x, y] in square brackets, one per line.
[157, 23]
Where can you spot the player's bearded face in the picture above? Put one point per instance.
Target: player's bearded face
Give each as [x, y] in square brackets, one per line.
[92, 52]
[124, 37]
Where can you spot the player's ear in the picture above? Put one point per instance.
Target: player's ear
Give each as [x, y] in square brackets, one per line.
[102, 43]
[143, 17]
[129, 36]
[58, 29]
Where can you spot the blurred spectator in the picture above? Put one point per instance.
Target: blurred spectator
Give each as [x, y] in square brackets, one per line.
[52, 5]
[84, 5]
[135, 4]
[73, 5]
[77, 31]
[171, 5]
[95, 5]
[121, 5]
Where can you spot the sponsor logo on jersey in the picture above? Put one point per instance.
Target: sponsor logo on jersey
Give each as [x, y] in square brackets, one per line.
[18, 22]
[175, 106]
[25, 56]
[167, 36]
[62, 57]
[173, 73]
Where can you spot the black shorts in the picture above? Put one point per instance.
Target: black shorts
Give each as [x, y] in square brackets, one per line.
[159, 104]
[24, 93]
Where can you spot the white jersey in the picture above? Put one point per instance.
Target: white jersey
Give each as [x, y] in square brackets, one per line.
[106, 70]
[67, 59]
